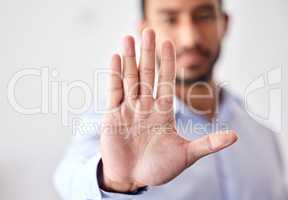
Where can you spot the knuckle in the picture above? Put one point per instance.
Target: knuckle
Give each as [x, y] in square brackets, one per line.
[167, 101]
[116, 88]
[167, 79]
[131, 76]
[146, 70]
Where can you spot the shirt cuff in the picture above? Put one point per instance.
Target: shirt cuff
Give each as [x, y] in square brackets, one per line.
[113, 195]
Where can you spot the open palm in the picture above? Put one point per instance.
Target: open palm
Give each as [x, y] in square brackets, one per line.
[140, 144]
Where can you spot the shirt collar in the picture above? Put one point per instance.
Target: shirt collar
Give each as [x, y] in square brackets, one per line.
[225, 111]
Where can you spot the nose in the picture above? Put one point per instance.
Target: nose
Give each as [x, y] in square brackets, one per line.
[189, 35]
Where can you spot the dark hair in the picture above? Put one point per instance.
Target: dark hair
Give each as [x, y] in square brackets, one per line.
[143, 7]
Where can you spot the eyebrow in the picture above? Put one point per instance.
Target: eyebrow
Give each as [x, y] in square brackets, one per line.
[205, 7]
[171, 11]
[168, 11]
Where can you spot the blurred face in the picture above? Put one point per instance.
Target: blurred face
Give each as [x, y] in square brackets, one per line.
[196, 27]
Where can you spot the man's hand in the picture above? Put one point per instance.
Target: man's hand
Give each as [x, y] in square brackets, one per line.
[140, 145]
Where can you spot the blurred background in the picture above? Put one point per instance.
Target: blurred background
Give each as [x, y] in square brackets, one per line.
[74, 38]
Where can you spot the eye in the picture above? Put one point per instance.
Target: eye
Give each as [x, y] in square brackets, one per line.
[205, 16]
[170, 20]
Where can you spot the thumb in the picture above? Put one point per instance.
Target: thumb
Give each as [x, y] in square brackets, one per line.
[209, 144]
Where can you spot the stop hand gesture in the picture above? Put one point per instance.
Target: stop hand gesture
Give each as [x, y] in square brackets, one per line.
[140, 145]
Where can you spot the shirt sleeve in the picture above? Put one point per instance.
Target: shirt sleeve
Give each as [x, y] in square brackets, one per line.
[76, 176]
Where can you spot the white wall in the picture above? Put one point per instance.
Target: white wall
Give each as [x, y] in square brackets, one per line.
[256, 51]
[75, 38]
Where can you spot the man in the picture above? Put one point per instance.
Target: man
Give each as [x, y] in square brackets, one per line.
[147, 148]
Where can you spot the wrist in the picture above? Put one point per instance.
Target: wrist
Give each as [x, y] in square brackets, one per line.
[109, 185]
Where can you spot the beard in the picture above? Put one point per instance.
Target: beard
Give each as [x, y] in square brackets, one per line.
[207, 76]
[190, 81]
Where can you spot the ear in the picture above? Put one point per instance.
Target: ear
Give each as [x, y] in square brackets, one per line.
[225, 25]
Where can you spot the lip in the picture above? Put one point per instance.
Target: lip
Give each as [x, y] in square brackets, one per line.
[192, 59]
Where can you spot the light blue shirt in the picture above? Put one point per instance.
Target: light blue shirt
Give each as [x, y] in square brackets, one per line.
[251, 169]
